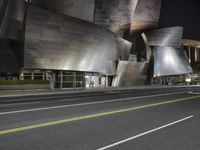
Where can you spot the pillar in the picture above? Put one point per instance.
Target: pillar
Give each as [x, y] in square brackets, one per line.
[74, 79]
[61, 79]
[189, 53]
[196, 54]
[32, 76]
[52, 80]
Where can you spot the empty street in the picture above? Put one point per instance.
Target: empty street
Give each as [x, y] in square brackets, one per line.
[143, 119]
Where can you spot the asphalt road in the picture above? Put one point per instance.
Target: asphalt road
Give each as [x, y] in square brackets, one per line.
[143, 119]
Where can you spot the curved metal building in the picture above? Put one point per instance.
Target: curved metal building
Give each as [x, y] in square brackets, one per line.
[82, 9]
[169, 58]
[166, 37]
[58, 42]
[116, 15]
[146, 15]
[170, 61]
[77, 43]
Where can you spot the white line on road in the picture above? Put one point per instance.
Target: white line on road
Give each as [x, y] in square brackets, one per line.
[145, 133]
[89, 103]
[36, 98]
[58, 97]
[16, 104]
[46, 98]
[194, 93]
[72, 99]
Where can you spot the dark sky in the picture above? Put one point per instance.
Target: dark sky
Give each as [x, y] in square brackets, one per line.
[184, 13]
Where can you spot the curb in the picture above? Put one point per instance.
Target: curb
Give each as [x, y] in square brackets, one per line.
[81, 90]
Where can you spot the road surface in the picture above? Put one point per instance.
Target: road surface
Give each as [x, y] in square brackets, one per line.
[143, 119]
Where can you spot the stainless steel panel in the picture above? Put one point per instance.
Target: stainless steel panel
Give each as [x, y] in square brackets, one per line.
[119, 78]
[130, 73]
[54, 41]
[147, 47]
[125, 48]
[82, 9]
[16, 19]
[136, 73]
[146, 15]
[3, 15]
[170, 61]
[5, 7]
[116, 15]
[167, 37]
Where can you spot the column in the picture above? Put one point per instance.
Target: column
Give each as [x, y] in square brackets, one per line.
[196, 54]
[106, 81]
[61, 79]
[74, 79]
[32, 76]
[52, 80]
[189, 53]
[22, 76]
[43, 76]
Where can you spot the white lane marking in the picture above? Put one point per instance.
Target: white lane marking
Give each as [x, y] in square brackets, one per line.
[36, 98]
[89, 103]
[27, 103]
[72, 99]
[55, 97]
[53, 93]
[52, 97]
[194, 93]
[145, 133]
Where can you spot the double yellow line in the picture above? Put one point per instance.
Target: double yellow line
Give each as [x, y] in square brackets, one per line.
[8, 131]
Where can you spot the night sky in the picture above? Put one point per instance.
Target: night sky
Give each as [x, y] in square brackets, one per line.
[184, 13]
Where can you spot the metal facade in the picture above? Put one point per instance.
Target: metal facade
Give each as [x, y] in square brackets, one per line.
[58, 42]
[85, 35]
[116, 15]
[146, 15]
[130, 73]
[170, 61]
[169, 37]
[169, 58]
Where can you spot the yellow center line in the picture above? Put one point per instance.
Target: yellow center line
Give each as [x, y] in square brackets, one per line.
[8, 131]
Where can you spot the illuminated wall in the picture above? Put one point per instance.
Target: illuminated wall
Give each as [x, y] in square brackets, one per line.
[54, 41]
[169, 58]
[146, 15]
[82, 9]
[116, 15]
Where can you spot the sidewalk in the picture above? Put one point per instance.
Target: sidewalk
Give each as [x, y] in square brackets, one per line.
[17, 93]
